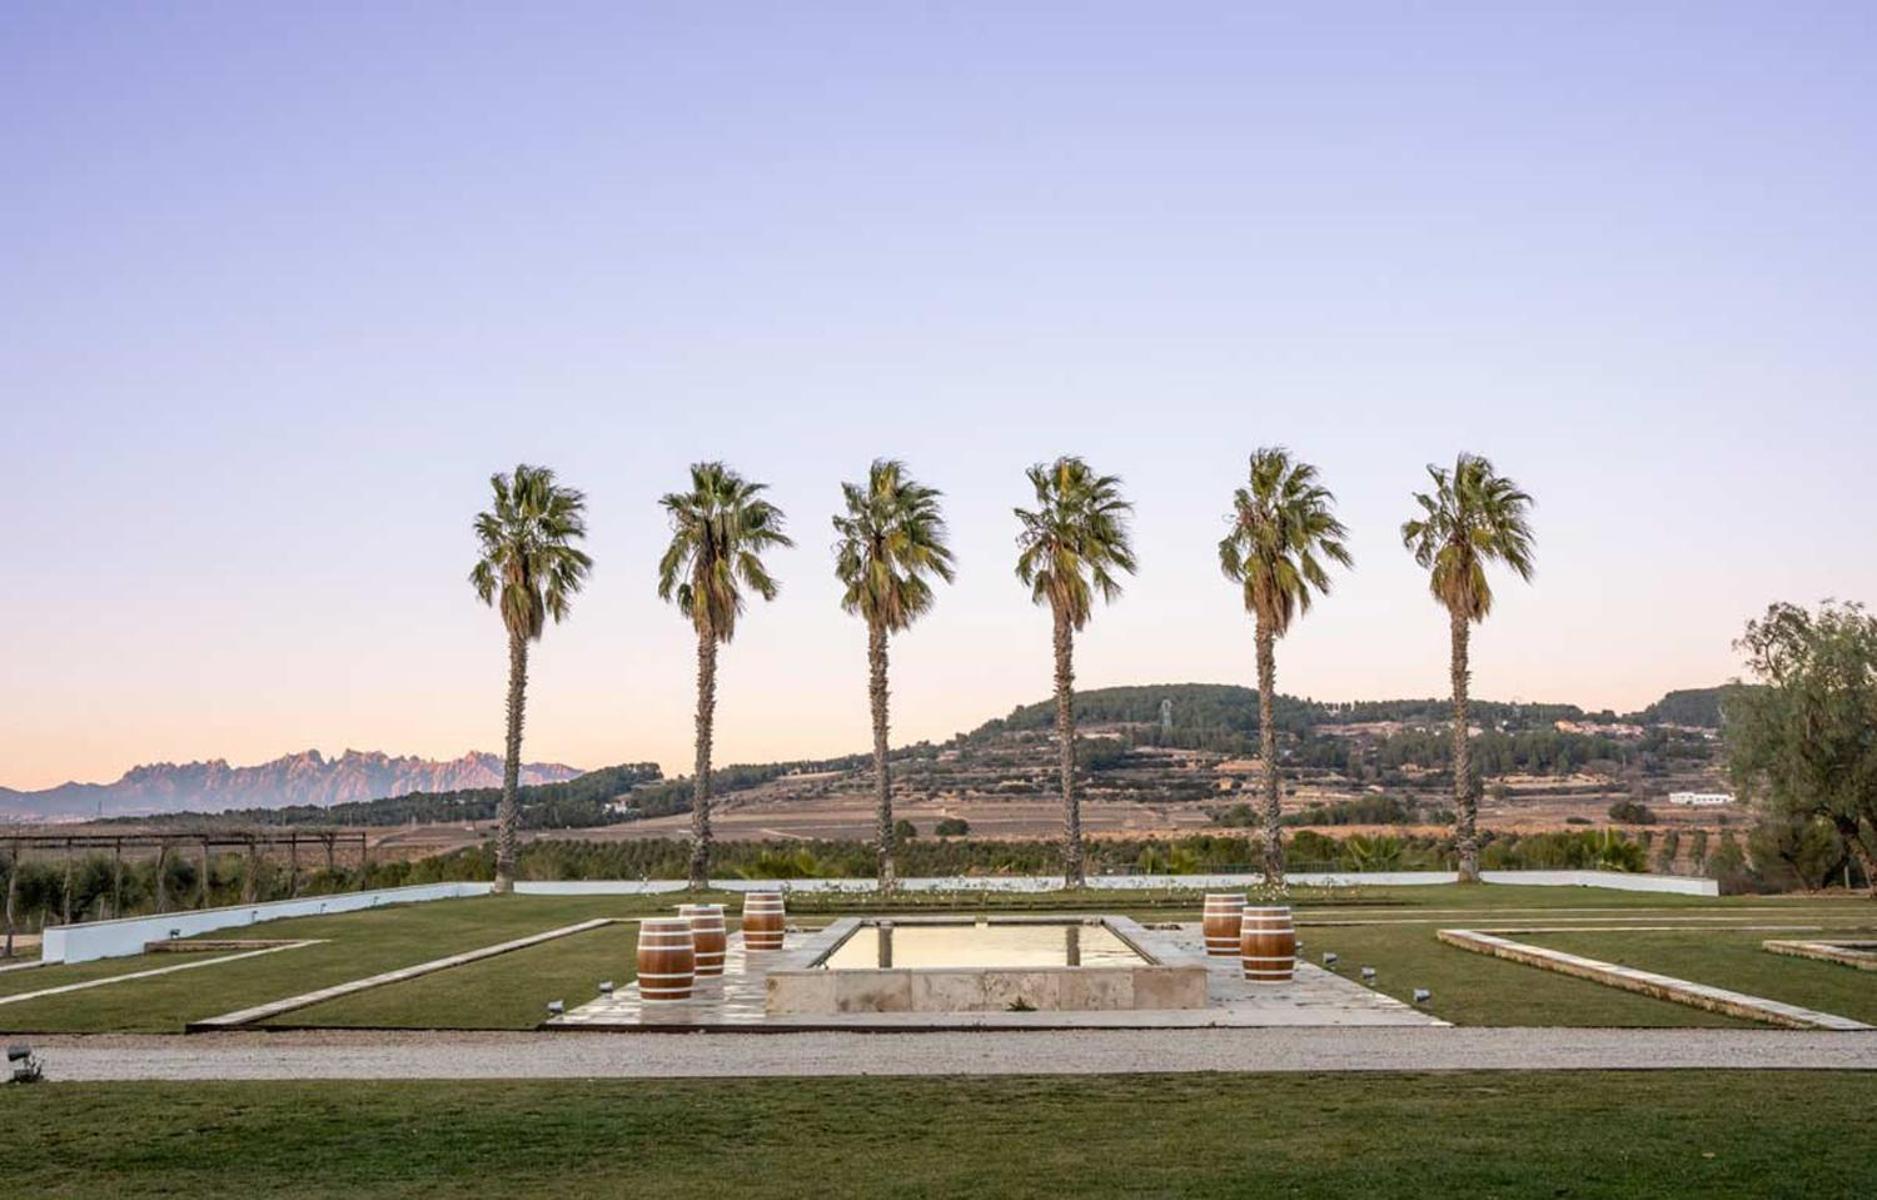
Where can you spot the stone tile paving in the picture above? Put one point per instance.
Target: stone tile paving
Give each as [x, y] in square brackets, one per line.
[736, 1002]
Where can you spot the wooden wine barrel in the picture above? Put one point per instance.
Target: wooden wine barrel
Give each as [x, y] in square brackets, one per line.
[1268, 945]
[707, 932]
[1222, 913]
[762, 920]
[667, 959]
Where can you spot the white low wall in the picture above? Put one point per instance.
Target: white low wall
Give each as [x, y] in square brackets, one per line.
[1681, 885]
[114, 939]
[1048, 883]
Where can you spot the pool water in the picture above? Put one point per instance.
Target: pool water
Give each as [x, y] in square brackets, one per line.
[1020, 945]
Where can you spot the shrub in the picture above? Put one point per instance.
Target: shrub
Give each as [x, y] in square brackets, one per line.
[1631, 812]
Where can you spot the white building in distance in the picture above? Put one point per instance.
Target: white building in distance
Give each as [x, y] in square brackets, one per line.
[1701, 799]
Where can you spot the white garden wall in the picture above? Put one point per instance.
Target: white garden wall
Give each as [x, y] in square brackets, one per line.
[114, 939]
[1045, 883]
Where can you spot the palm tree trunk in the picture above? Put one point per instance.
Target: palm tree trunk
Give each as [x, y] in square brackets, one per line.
[882, 781]
[1072, 871]
[1267, 749]
[700, 775]
[505, 813]
[1465, 798]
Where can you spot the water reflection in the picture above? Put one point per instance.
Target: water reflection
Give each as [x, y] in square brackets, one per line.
[1056, 944]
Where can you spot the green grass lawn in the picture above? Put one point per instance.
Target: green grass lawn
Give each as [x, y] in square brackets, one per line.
[511, 991]
[1474, 989]
[361, 944]
[1712, 1134]
[1732, 959]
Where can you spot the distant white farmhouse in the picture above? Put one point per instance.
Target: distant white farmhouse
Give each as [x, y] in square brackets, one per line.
[1701, 799]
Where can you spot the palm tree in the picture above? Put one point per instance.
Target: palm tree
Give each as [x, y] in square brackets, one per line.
[719, 530]
[530, 568]
[1070, 547]
[1474, 516]
[891, 538]
[1283, 527]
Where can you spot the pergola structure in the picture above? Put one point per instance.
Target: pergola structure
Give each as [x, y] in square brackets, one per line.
[255, 844]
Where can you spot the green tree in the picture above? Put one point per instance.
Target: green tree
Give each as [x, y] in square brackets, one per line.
[719, 530]
[1072, 545]
[891, 544]
[1805, 745]
[1284, 529]
[1473, 517]
[530, 567]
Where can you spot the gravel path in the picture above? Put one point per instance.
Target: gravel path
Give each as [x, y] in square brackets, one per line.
[1088, 1052]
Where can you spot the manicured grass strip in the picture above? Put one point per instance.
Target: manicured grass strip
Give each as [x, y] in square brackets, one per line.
[508, 992]
[1472, 989]
[149, 974]
[359, 944]
[1649, 983]
[1710, 1133]
[1732, 959]
[274, 1008]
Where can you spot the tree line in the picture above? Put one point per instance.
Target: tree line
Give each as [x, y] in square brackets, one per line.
[1074, 549]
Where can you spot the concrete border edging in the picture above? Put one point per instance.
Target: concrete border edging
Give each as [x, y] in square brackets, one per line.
[1648, 983]
[274, 1008]
[1846, 953]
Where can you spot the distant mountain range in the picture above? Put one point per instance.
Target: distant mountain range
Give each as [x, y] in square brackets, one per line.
[307, 778]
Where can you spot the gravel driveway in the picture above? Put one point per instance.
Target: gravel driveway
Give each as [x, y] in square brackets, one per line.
[1085, 1052]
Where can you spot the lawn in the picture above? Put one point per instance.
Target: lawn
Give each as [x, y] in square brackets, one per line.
[1732, 959]
[1473, 989]
[360, 944]
[1714, 1134]
[511, 991]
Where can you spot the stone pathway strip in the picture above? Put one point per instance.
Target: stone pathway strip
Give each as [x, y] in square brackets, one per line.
[254, 1055]
[736, 1002]
[188, 966]
[274, 1008]
[1661, 987]
[28, 965]
[1862, 955]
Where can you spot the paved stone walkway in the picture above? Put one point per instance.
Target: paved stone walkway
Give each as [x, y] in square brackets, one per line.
[1079, 1052]
[735, 1002]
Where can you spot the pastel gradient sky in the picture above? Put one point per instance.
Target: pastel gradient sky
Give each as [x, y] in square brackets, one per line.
[281, 285]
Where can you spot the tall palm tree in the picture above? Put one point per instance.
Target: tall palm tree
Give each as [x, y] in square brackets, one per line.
[891, 538]
[1283, 528]
[530, 568]
[1474, 516]
[719, 530]
[1070, 547]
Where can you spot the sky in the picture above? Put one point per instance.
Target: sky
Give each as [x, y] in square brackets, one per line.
[282, 285]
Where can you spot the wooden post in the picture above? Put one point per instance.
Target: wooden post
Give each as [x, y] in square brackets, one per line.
[162, 870]
[13, 879]
[250, 878]
[117, 878]
[364, 859]
[202, 896]
[293, 865]
[68, 881]
[330, 839]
